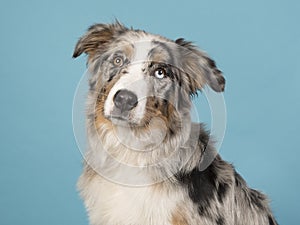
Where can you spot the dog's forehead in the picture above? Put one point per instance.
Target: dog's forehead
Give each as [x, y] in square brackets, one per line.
[144, 47]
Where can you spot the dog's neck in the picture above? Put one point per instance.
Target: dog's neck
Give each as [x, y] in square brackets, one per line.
[119, 155]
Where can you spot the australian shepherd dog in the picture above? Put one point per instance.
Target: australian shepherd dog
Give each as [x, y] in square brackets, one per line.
[143, 165]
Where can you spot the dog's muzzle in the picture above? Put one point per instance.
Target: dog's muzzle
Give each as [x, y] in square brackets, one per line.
[124, 101]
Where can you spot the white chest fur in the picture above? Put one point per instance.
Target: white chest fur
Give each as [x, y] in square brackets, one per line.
[113, 204]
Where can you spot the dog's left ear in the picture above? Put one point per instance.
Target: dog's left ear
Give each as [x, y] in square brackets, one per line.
[200, 68]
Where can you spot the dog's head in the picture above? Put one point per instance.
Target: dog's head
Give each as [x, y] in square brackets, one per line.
[143, 81]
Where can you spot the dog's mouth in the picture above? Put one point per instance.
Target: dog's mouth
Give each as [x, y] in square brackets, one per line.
[121, 117]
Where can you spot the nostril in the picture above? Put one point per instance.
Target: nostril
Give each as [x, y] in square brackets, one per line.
[125, 100]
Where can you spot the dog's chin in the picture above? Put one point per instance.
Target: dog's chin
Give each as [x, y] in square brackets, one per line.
[123, 120]
[120, 121]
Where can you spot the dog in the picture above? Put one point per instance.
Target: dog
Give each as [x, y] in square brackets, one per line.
[145, 156]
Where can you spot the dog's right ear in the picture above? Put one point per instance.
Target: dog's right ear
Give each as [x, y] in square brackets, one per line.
[96, 38]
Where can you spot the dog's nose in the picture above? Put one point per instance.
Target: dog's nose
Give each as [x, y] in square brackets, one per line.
[125, 100]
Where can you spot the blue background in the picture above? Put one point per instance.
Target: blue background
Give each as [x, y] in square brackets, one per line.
[256, 43]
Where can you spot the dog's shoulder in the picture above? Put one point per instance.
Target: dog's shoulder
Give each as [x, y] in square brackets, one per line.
[220, 192]
[210, 185]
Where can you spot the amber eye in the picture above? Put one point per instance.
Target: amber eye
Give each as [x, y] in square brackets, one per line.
[160, 73]
[118, 61]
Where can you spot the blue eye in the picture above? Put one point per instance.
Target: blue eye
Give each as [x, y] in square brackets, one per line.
[160, 73]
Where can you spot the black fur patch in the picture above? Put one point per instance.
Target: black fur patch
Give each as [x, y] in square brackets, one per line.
[220, 221]
[272, 221]
[222, 190]
[204, 186]
[200, 187]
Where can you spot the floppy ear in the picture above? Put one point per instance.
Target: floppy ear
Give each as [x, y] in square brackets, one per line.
[96, 38]
[200, 68]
